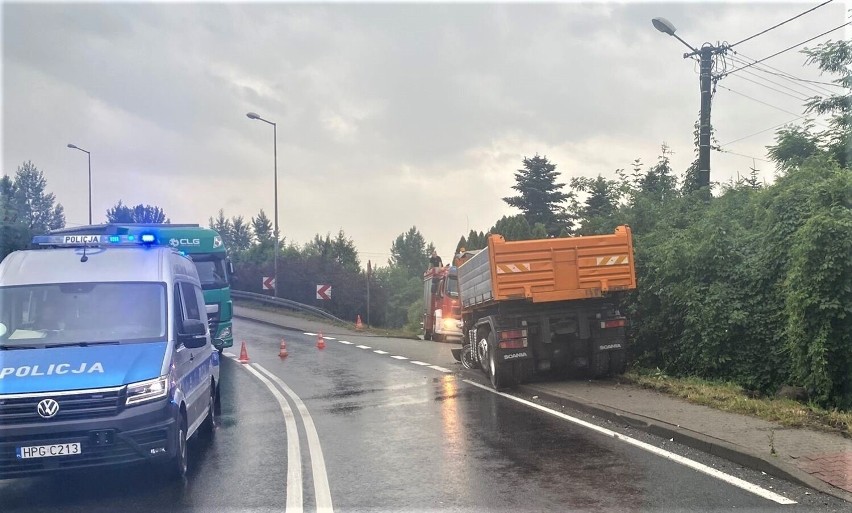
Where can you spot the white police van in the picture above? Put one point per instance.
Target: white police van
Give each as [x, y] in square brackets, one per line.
[105, 355]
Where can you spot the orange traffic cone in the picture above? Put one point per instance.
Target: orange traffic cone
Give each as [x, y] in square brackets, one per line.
[358, 325]
[243, 354]
[320, 342]
[282, 353]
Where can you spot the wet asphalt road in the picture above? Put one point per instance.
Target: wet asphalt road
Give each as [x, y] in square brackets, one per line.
[396, 436]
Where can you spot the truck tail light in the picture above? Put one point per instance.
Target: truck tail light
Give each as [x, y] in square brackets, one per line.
[509, 334]
[513, 339]
[614, 323]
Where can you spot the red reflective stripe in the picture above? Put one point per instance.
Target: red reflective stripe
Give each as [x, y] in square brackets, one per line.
[615, 323]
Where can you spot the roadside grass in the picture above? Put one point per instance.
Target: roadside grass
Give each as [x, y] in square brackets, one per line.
[257, 305]
[733, 398]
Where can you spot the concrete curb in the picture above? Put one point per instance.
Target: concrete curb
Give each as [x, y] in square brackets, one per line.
[721, 448]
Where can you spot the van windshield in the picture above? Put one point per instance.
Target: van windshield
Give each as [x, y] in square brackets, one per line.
[81, 313]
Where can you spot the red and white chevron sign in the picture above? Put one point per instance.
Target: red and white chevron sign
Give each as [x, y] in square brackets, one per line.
[323, 291]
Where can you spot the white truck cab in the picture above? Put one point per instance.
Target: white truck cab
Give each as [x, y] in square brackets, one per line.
[105, 356]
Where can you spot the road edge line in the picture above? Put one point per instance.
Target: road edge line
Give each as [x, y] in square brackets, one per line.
[320, 474]
[295, 501]
[693, 439]
[682, 460]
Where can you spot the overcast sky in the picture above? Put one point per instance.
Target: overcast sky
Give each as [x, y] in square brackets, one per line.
[389, 115]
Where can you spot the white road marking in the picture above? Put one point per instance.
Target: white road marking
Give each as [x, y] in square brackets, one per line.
[345, 342]
[439, 368]
[399, 357]
[363, 347]
[294, 455]
[415, 362]
[329, 338]
[323, 493]
[229, 355]
[379, 351]
[309, 334]
[735, 481]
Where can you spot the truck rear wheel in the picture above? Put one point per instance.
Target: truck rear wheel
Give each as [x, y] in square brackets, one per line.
[466, 357]
[500, 374]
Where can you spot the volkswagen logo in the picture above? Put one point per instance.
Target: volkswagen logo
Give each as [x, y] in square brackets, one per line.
[48, 408]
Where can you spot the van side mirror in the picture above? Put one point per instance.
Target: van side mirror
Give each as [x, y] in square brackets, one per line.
[193, 334]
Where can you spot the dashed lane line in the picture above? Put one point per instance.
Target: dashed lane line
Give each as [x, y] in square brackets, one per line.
[378, 351]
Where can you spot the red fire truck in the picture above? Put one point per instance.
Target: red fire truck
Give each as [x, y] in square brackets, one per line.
[442, 318]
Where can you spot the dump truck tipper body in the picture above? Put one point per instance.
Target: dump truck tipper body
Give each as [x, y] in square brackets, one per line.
[547, 304]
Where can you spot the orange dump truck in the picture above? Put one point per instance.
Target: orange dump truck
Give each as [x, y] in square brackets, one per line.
[546, 305]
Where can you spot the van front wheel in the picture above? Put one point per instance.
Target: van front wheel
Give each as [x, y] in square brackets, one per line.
[180, 461]
[208, 428]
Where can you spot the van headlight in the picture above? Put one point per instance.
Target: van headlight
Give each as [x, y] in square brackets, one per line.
[146, 391]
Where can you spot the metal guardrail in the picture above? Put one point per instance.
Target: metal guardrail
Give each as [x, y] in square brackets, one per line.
[285, 303]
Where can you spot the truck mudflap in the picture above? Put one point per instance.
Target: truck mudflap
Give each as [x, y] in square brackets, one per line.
[456, 353]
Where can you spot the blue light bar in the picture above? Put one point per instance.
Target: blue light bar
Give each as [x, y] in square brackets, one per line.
[114, 239]
[148, 238]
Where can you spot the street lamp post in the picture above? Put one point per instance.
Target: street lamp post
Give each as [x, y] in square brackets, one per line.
[252, 115]
[89, 155]
[705, 55]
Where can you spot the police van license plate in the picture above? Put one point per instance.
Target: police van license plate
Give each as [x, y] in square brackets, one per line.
[46, 451]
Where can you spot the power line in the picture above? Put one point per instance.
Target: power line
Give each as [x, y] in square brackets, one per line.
[758, 101]
[785, 50]
[782, 23]
[741, 155]
[787, 76]
[782, 86]
[770, 105]
[805, 89]
[772, 88]
[762, 131]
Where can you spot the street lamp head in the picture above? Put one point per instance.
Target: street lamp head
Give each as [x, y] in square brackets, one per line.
[664, 26]
[252, 115]
[73, 147]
